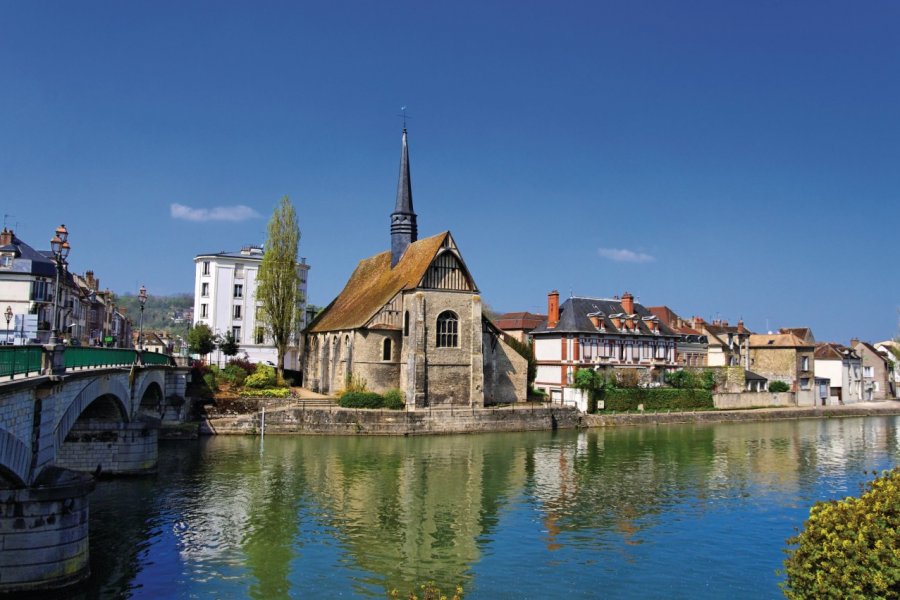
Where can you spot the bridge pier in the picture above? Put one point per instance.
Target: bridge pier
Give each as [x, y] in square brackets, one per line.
[44, 532]
[108, 448]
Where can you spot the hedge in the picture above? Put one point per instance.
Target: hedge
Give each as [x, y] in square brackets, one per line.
[370, 400]
[265, 393]
[656, 399]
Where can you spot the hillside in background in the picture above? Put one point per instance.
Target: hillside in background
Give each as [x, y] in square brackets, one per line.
[161, 313]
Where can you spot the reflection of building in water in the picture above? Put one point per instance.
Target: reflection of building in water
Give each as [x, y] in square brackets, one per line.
[416, 510]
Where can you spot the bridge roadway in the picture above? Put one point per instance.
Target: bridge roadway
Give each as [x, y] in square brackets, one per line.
[68, 414]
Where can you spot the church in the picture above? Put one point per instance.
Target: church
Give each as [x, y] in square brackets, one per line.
[411, 318]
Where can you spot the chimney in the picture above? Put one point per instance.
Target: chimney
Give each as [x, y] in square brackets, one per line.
[740, 326]
[92, 283]
[628, 303]
[854, 342]
[552, 309]
[6, 237]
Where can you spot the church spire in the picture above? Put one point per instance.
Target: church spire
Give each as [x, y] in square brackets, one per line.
[403, 220]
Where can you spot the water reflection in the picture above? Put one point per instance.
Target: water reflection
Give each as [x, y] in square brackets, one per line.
[329, 516]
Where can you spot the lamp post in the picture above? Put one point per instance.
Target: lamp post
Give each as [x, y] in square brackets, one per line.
[9, 315]
[142, 300]
[59, 245]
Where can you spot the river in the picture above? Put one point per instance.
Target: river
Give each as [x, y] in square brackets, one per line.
[677, 511]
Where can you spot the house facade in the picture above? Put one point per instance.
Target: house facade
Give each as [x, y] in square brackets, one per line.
[842, 367]
[519, 325]
[728, 345]
[875, 372]
[785, 357]
[410, 318]
[225, 289]
[693, 345]
[599, 333]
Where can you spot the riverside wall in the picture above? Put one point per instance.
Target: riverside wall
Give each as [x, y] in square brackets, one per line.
[720, 416]
[347, 421]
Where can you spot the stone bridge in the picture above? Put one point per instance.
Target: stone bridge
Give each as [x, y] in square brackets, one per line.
[67, 414]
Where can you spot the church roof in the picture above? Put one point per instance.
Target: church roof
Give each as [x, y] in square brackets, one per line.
[374, 283]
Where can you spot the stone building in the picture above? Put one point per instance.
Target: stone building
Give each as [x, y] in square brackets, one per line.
[788, 358]
[411, 318]
[876, 374]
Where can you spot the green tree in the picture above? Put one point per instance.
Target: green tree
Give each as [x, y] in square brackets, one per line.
[228, 344]
[849, 548]
[595, 383]
[200, 339]
[278, 280]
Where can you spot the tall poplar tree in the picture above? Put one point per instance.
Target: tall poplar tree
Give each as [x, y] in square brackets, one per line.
[278, 282]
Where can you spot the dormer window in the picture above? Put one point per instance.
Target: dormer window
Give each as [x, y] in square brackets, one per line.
[6, 261]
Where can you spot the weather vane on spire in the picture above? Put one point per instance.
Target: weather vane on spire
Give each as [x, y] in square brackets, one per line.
[404, 116]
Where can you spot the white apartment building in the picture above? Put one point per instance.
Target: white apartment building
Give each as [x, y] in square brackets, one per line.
[225, 299]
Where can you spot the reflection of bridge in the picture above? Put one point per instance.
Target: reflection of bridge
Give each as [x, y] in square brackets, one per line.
[65, 412]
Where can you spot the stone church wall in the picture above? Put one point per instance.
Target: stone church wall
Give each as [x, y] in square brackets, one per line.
[505, 372]
[368, 359]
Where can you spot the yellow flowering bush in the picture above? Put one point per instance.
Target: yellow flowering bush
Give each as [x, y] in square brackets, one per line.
[849, 548]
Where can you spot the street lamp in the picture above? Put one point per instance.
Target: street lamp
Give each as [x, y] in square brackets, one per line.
[142, 300]
[59, 245]
[9, 315]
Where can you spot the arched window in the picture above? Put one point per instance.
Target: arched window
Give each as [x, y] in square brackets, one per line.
[447, 330]
[386, 352]
[406, 323]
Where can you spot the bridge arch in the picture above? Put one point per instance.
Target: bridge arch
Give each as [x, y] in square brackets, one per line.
[111, 394]
[150, 394]
[16, 464]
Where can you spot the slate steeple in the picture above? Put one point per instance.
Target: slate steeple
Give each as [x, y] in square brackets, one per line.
[403, 220]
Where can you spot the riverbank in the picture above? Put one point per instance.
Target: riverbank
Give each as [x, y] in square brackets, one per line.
[334, 420]
[862, 409]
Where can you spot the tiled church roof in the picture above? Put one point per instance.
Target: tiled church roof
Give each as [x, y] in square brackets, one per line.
[374, 283]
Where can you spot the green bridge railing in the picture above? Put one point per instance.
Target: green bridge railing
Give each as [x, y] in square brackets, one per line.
[29, 360]
[20, 360]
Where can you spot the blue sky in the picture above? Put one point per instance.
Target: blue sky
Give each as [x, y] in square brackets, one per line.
[727, 159]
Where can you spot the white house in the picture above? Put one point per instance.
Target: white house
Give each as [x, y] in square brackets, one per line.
[842, 366]
[225, 299]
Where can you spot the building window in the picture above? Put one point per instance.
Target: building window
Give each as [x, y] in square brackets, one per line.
[386, 350]
[406, 323]
[6, 261]
[447, 330]
[204, 310]
[238, 290]
[238, 271]
[236, 333]
[868, 372]
[204, 289]
[804, 383]
[804, 363]
[206, 267]
[237, 311]
[260, 335]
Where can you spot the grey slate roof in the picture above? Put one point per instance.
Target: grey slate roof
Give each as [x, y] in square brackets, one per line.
[28, 260]
[573, 318]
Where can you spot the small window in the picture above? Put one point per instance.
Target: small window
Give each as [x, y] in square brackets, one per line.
[261, 336]
[804, 383]
[386, 351]
[204, 310]
[804, 363]
[236, 333]
[406, 323]
[238, 271]
[6, 261]
[237, 311]
[447, 330]
[206, 267]
[204, 289]
[238, 290]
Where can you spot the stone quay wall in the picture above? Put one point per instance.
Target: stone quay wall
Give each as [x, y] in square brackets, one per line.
[345, 421]
[44, 534]
[110, 448]
[754, 400]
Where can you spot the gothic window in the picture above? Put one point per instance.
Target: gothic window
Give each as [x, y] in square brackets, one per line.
[386, 352]
[406, 323]
[447, 330]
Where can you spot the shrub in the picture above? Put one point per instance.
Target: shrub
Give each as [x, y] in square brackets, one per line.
[353, 383]
[244, 364]
[394, 399]
[849, 548]
[266, 393]
[234, 374]
[211, 381]
[656, 399]
[263, 377]
[778, 386]
[361, 400]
